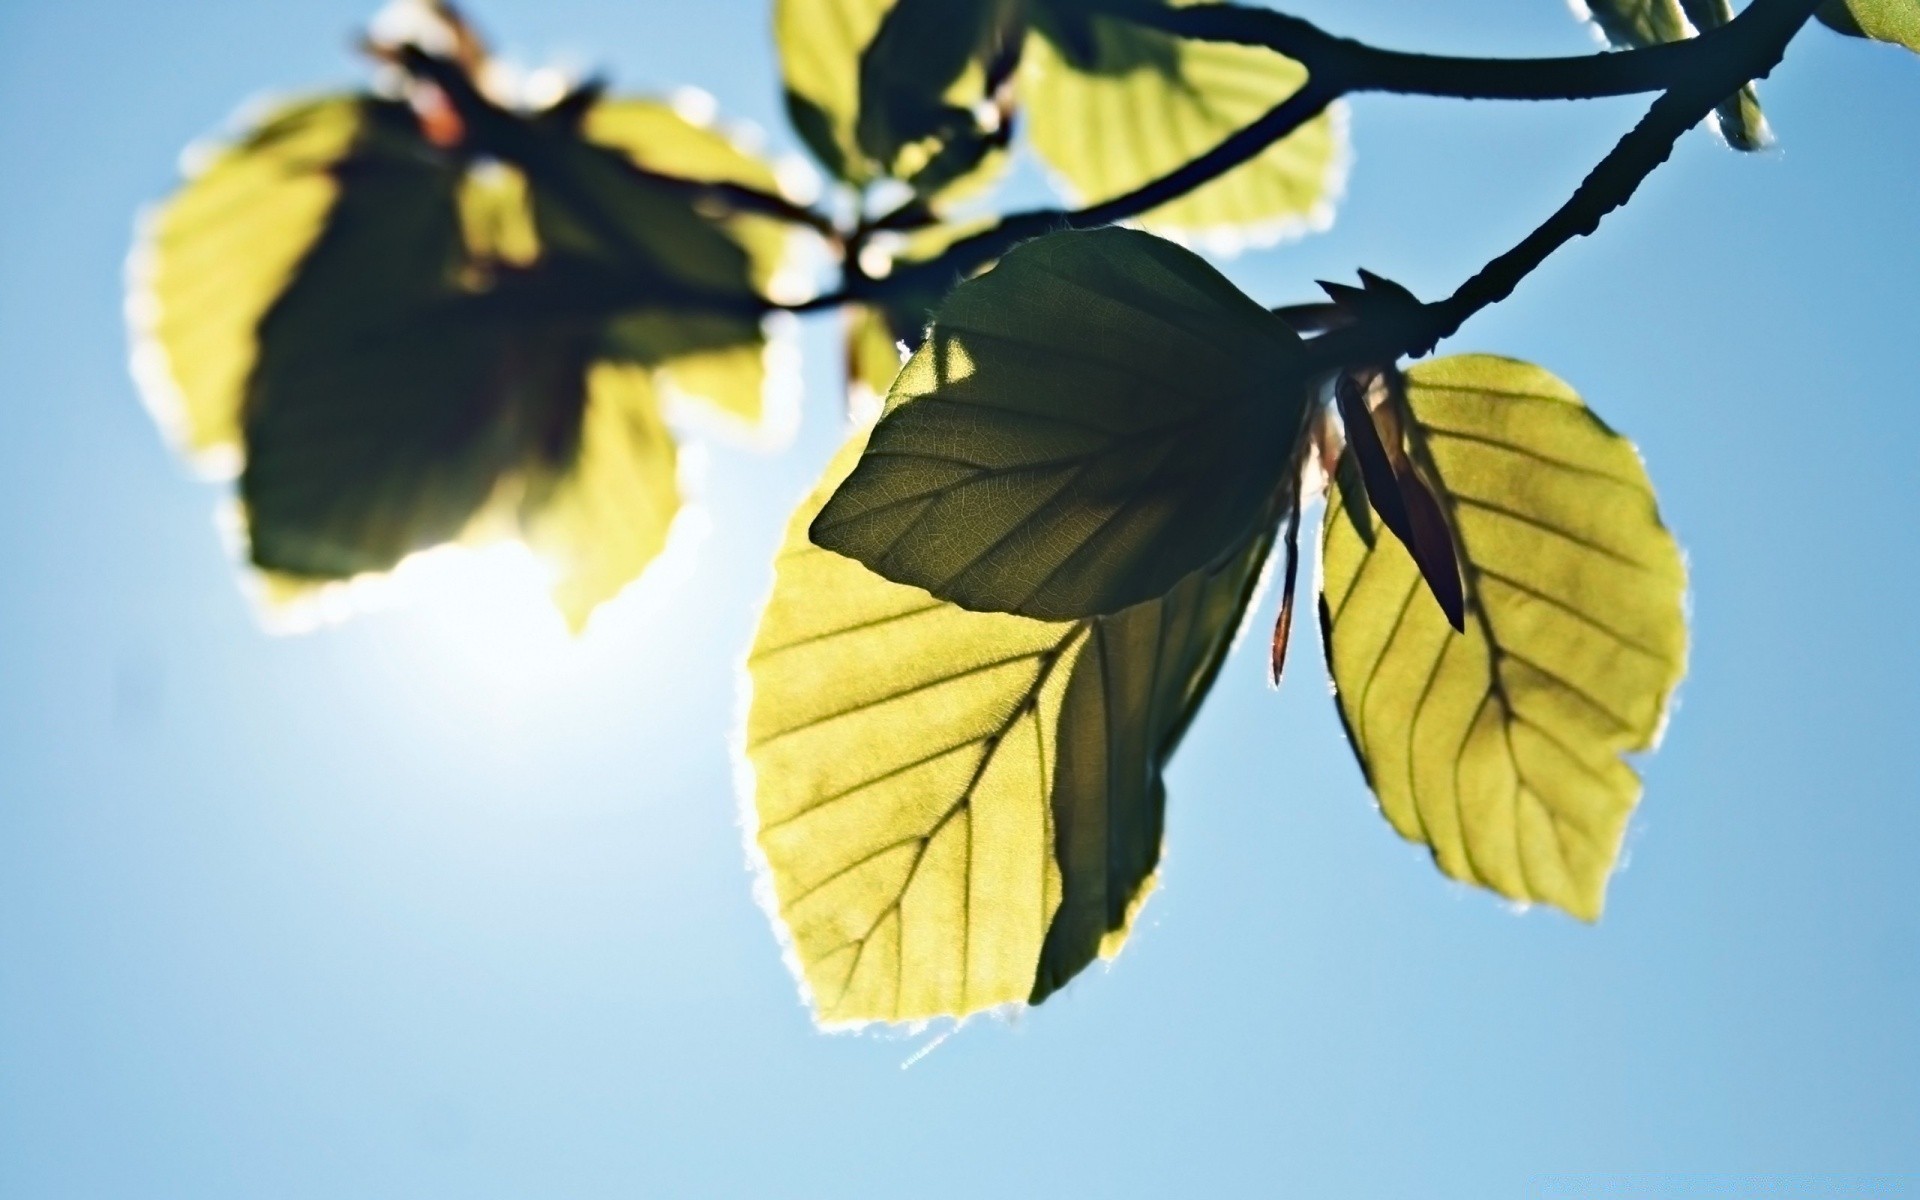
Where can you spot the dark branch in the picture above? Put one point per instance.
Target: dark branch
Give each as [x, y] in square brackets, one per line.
[1748, 48]
[1349, 66]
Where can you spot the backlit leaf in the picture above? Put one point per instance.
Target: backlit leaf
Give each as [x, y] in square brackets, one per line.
[1896, 21]
[888, 88]
[1113, 105]
[1500, 747]
[218, 254]
[1627, 24]
[1088, 423]
[404, 342]
[605, 515]
[960, 810]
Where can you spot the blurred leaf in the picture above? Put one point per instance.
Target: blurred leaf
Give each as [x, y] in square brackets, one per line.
[410, 339]
[960, 810]
[888, 88]
[1896, 21]
[215, 257]
[604, 516]
[1114, 105]
[1500, 747]
[1094, 419]
[1627, 24]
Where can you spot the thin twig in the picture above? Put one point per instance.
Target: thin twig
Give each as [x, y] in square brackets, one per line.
[1758, 39]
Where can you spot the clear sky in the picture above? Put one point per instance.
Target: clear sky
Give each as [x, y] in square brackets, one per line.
[436, 903]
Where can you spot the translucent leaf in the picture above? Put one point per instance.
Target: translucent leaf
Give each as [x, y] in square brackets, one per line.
[1086, 424]
[380, 412]
[1113, 105]
[959, 810]
[879, 89]
[1896, 21]
[215, 257]
[410, 358]
[1627, 24]
[1500, 747]
[713, 357]
[605, 516]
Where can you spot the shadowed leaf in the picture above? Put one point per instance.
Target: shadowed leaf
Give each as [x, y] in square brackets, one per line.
[403, 343]
[1500, 748]
[886, 88]
[1088, 423]
[960, 810]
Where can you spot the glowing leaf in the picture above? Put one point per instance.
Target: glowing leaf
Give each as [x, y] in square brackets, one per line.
[408, 345]
[1114, 105]
[1088, 423]
[959, 810]
[889, 88]
[603, 517]
[1500, 747]
[219, 253]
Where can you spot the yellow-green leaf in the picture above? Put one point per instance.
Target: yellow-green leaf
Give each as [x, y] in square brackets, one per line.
[1088, 423]
[1628, 24]
[1113, 105]
[605, 514]
[215, 257]
[887, 88]
[1500, 747]
[715, 358]
[959, 810]
[1896, 21]
[401, 344]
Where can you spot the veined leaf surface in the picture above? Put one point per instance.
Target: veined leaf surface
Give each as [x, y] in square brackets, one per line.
[1500, 747]
[1113, 105]
[1099, 416]
[959, 810]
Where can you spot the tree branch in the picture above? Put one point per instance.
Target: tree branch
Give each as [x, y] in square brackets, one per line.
[1748, 48]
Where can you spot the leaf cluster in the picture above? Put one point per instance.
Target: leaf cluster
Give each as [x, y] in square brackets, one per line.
[439, 310]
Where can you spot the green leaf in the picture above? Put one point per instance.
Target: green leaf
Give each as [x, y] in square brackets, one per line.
[1114, 105]
[887, 88]
[213, 259]
[1094, 419]
[960, 810]
[408, 347]
[379, 413]
[1628, 24]
[1896, 21]
[605, 515]
[1500, 747]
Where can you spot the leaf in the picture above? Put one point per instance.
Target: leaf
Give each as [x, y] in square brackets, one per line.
[429, 350]
[1627, 24]
[1096, 418]
[379, 413]
[1896, 21]
[1114, 105]
[1500, 747]
[216, 255]
[959, 810]
[606, 515]
[886, 88]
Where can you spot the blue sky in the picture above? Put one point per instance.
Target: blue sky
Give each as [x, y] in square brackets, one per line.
[435, 903]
